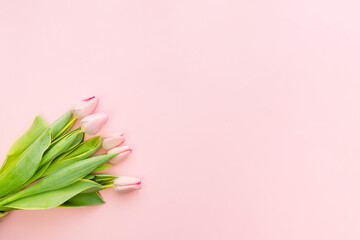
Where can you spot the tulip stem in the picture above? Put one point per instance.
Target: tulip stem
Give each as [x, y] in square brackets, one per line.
[109, 186]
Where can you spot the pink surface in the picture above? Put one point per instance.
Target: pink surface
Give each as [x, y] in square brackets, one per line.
[244, 116]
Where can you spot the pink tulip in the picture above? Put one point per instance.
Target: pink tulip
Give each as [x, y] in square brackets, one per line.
[113, 141]
[94, 123]
[85, 107]
[124, 152]
[125, 184]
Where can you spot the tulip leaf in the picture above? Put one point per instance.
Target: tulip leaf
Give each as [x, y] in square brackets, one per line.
[85, 147]
[104, 179]
[66, 128]
[60, 123]
[3, 209]
[102, 168]
[90, 176]
[54, 142]
[54, 198]
[74, 145]
[62, 178]
[38, 174]
[59, 147]
[22, 169]
[107, 184]
[3, 213]
[72, 157]
[21, 144]
[84, 199]
[78, 140]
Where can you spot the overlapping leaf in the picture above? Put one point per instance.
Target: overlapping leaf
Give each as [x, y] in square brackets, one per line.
[61, 178]
[84, 199]
[25, 166]
[59, 124]
[22, 143]
[83, 151]
[60, 147]
[66, 128]
[102, 168]
[54, 198]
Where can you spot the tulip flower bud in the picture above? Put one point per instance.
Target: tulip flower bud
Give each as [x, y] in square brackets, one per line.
[113, 141]
[94, 123]
[123, 151]
[85, 107]
[125, 184]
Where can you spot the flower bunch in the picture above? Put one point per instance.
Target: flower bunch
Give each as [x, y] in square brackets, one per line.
[51, 165]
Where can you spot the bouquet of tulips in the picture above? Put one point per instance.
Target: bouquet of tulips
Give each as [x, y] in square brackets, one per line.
[50, 166]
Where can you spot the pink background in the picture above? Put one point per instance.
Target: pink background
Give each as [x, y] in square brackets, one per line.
[244, 115]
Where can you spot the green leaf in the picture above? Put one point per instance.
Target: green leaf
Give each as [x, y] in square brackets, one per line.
[22, 169]
[102, 168]
[104, 177]
[59, 147]
[3, 213]
[85, 147]
[66, 128]
[54, 198]
[60, 123]
[35, 177]
[74, 156]
[78, 140]
[84, 199]
[107, 183]
[61, 178]
[53, 151]
[41, 172]
[54, 142]
[90, 176]
[21, 144]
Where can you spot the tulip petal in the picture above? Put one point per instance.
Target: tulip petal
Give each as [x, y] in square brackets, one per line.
[126, 189]
[113, 141]
[125, 181]
[85, 107]
[122, 156]
[94, 123]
